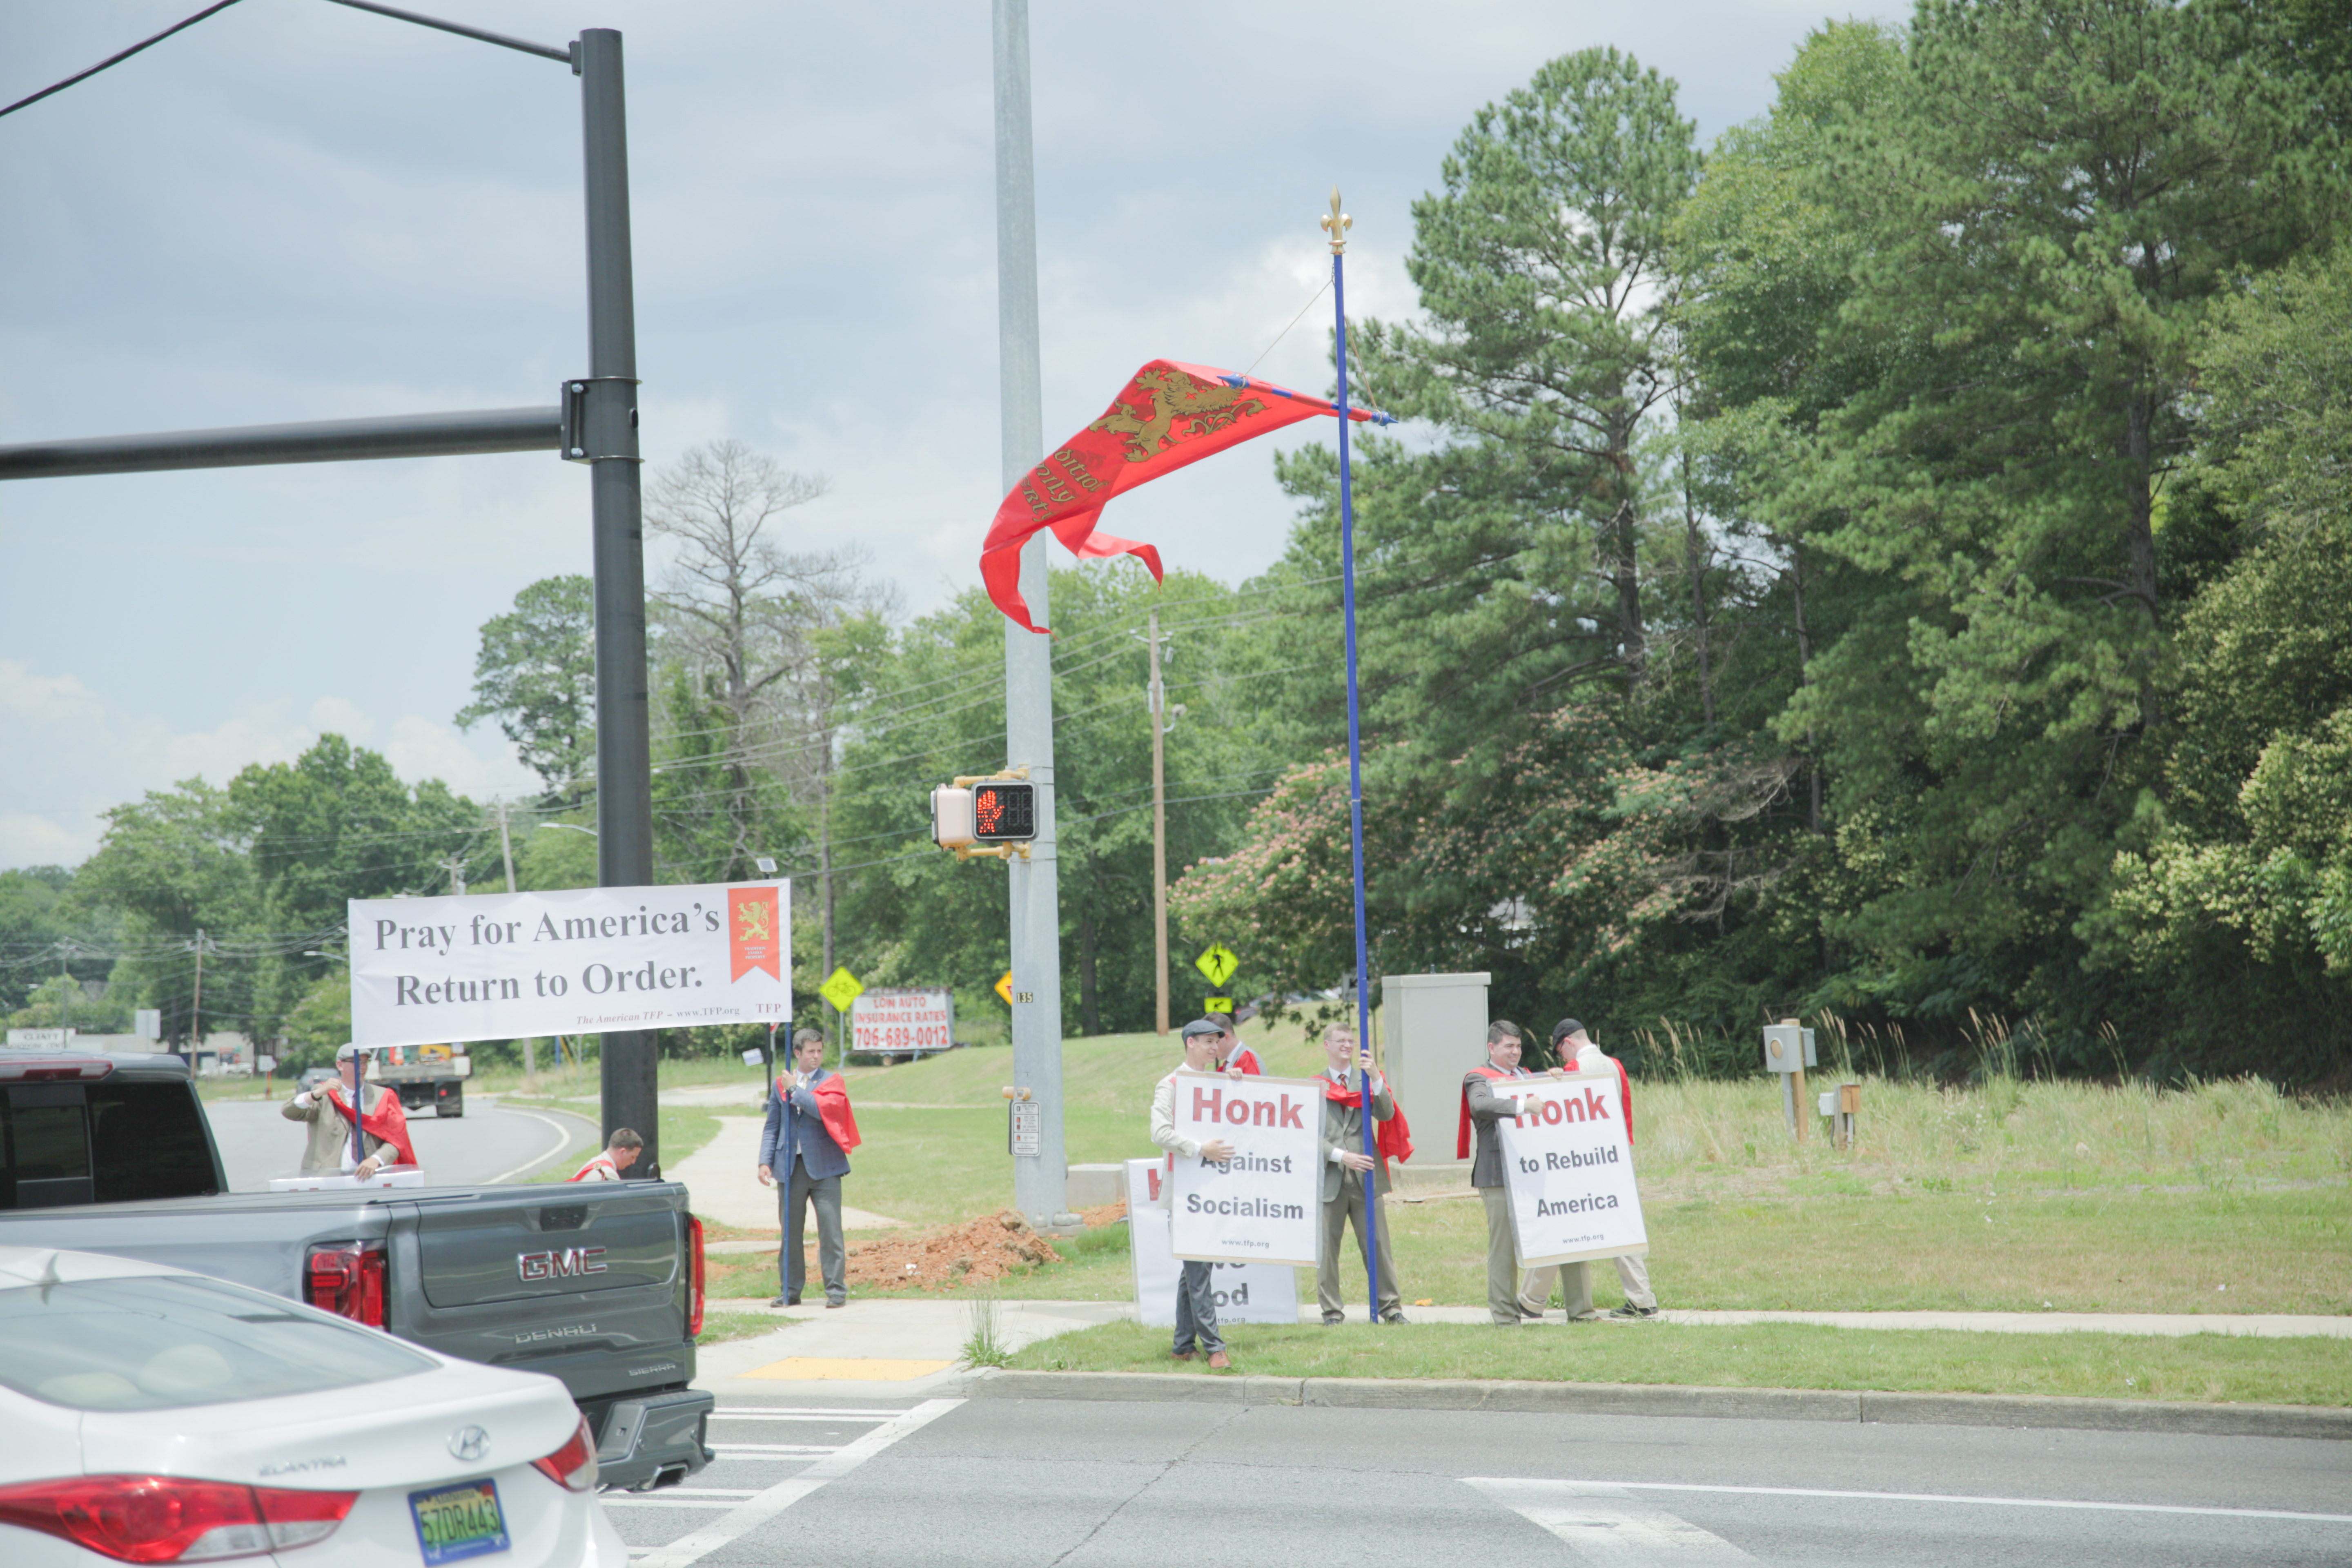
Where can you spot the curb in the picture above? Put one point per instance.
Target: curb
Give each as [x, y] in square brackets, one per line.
[1667, 1399]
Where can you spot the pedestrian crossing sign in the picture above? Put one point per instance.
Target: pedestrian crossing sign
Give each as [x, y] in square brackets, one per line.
[1218, 963]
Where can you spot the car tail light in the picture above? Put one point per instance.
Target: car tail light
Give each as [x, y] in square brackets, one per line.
[166, 1519]
[694, 1300]
[348, 1280]
[573, 1465]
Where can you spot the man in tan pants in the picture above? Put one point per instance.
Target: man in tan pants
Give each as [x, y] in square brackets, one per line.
[1482, 1108]
[1574, 1049]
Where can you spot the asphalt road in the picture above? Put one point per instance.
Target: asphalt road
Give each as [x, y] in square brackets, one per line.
[1079, 1483]
[257, 1142]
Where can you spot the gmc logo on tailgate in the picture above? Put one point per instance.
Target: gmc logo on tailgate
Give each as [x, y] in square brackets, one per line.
[559, 1263]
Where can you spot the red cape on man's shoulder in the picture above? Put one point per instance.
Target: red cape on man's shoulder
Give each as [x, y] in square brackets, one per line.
[833, 1105]
[388, 1120]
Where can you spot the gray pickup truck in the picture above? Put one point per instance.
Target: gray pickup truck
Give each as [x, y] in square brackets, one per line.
[597, 1284]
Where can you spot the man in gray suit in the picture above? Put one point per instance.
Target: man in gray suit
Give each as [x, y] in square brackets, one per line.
[1344, 1165]
[796, 1146]
[1482, 1108]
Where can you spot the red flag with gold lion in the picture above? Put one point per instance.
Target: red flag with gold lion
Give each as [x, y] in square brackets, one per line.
[1170, 415]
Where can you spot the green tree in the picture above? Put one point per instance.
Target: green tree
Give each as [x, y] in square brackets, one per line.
[536, 675]
[2052, 200]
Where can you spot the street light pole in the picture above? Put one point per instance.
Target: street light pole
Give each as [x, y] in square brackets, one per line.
[1039, 1181]
[607, 397]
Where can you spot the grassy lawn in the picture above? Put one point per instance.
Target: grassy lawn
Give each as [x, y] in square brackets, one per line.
[718, 1328]
[2206, 1367]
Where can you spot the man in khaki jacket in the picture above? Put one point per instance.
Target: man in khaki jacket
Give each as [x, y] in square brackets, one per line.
[330, 1148]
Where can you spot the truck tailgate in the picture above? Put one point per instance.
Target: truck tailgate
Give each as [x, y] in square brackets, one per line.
[589, 1286]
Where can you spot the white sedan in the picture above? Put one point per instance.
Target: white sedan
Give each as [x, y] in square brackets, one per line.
[148, 1414]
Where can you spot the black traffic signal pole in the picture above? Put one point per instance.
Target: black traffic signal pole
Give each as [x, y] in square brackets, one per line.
[594, 423]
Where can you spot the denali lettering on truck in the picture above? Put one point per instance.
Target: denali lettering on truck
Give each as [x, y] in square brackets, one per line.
[505, 965]
[1261, 1204]
[1569, 1169]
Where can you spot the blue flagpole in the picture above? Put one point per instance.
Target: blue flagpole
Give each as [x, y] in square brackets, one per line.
[1339, 224]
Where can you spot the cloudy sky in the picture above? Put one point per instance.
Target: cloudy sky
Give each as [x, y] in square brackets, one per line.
[298, 211]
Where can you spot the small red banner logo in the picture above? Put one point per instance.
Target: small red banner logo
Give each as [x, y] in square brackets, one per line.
[754, 939]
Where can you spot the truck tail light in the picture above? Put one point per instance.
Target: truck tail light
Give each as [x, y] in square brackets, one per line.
[573, 1465]
[348, 1280]
[169, 1519]
[694, 1300]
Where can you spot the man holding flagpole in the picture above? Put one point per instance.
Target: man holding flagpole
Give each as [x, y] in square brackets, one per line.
[809, 1132]
[383, 1124]
[1345, 1165]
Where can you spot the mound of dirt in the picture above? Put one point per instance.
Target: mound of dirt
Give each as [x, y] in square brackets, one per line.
[978, 1250]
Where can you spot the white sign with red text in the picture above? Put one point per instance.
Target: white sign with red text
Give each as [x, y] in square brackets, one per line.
[902, 1023]
[1568, 1164]
[1244, 1292]
[500, 967]
[1263, 1204]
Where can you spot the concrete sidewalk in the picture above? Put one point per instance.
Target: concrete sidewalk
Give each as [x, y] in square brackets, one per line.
[893, 1348]
[722, 1183]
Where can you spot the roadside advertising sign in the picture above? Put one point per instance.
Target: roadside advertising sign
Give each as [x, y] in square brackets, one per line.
[1262, 1206]
[1569, 1166]
[1245, 1292]
[500, 966]
[903, 1022]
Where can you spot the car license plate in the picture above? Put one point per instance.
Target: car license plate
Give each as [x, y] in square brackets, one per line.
[455, 1522]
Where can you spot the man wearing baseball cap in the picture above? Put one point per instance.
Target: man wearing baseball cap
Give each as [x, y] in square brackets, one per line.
[1196, 1300]
[1574, 1051]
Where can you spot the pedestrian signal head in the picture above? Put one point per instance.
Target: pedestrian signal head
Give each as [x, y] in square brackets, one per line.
[1004, 813]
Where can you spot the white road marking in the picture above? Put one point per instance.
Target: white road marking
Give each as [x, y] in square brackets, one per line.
[756, 1448]
[749, 1516]
[1946, 1497]
[800, 1413]
[563, 1137]
[1608, 1534]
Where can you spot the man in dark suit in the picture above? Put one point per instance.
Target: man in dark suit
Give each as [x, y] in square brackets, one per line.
[1482, 1108]
[1344, 1165]
[802, 1146]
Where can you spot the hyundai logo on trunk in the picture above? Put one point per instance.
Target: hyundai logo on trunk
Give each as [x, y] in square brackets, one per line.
[562, 1263]
[468, 1444]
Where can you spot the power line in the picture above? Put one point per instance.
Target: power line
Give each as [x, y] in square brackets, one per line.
[116, 60]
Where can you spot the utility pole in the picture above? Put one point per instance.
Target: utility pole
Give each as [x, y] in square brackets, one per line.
[506, 849]
[1039, 1181]
[196, 1011]
[456, 866]
[1159, 706]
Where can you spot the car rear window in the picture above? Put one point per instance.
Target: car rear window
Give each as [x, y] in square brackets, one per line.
[164, 1342]
[147, 1140]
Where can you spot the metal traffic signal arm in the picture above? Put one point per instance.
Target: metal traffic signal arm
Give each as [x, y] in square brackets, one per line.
[594, 421]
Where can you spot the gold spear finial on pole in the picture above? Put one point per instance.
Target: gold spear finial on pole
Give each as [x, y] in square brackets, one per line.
[1338, 224]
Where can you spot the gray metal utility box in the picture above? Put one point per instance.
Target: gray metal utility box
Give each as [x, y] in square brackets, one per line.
[1436, 1028]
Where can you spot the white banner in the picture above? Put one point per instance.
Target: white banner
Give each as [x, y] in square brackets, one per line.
[500, 966]
[1569, 1166]
[901, 1023]
[1264, 1204]
[1245, 1292]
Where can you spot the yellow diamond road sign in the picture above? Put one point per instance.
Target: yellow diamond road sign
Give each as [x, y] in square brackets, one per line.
[841, 988]
[1004, 988]
[1218, 963]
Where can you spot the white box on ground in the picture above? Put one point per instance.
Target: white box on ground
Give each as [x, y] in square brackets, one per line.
[1262, 1206]
[1569, 1167]
[1245, 1292]
[900, 1023]
[499, 966]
